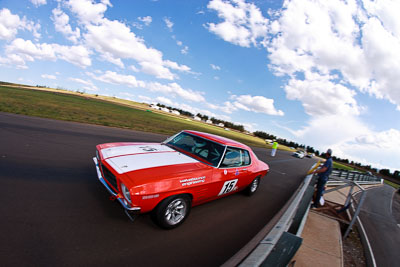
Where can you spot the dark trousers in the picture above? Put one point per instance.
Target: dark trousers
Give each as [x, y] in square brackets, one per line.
[320, 189]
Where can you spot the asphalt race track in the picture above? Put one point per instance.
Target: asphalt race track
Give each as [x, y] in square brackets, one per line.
[54, 212]
[380, 215]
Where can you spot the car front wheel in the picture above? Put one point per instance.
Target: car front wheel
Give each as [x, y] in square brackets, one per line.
[172, 211]
[252, 188]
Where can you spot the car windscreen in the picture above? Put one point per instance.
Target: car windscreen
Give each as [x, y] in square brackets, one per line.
[202, 148]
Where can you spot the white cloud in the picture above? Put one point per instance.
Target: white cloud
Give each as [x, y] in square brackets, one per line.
[127, 96]
[10, 24]
[49, 76]
[115, 41]
[227, 107]
[352, 139]
[146, 20]
[381, 146]
[87, 11]
[115, 78]
[320, 96]
[360, 44]
[29, 51]
[185, 50]
[168, 23]
[77, 55]
[258, 104]
[88, 84]
[380, 140]
[13, 60]
[158, 71]
[339, 47]
[215, 67]
[243, 23]
[25, 50]
[323, 131]
[176, 66]
[61, 24]
[164, 100]
[38, 2]
[144, 98]
[176, 89]
[173, 89]
[112, 41]
[133, 68]
[85, 82]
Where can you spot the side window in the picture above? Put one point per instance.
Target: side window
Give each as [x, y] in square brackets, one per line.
[235, 157]
[246, 157]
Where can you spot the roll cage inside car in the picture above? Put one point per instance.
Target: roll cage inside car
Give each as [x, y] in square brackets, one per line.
[208, 151]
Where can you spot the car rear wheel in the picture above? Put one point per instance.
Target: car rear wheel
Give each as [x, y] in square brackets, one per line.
[252, 188]
[172, 211]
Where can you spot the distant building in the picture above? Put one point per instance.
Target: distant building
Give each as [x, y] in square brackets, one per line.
[155, 106]
[175, 112]
[197, 118]
[209, 121]
[165, 109]
[221, 124]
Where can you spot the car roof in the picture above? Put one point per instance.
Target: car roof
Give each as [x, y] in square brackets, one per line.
[218, 139]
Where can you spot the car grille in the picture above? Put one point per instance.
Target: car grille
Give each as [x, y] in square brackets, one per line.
[109, 177]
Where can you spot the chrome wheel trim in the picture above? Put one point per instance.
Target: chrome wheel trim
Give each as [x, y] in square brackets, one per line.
[175, 211]
[254, 185]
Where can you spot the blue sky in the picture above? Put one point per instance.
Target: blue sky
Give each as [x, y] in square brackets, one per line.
[321, 73]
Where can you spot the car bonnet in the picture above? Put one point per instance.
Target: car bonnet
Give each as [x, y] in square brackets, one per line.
[133, 157]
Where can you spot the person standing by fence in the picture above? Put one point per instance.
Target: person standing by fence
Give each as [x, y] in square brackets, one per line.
[274, 148]
[323, 176]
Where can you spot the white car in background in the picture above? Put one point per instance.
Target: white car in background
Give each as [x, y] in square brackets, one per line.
[299, 154]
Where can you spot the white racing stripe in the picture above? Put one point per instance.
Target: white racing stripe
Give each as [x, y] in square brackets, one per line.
[134, 149]
[124, 164]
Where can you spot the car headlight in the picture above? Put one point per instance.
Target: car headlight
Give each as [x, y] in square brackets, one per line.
[126, 193]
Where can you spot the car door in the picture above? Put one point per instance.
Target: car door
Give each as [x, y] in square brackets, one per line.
[233, 171]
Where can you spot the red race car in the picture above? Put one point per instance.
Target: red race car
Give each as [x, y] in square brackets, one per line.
[187, 169]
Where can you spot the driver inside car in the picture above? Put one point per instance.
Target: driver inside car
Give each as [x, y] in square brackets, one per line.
[199, 148]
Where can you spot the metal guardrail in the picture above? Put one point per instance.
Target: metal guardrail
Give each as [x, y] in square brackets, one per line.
[350, 200]
[353, 207]
[279, 246]
[360, 178]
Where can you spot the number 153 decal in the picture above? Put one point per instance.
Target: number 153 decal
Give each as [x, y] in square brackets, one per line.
[228, 186]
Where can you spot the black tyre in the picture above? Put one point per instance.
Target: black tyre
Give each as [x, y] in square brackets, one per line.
[172, 211]
[252, 188]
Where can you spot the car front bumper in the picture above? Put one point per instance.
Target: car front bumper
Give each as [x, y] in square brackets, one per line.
[129, 210]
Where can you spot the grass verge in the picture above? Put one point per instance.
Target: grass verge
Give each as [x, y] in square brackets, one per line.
[337, 165]
[57, 104]
[394, 185]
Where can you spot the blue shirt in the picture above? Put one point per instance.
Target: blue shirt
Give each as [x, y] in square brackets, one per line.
[328, 164]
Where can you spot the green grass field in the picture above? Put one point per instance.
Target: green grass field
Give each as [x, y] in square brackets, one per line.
[340, 166]
[394, 185]
[88, 109]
